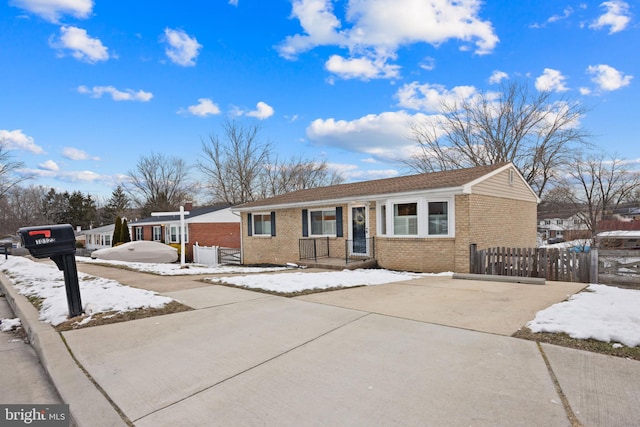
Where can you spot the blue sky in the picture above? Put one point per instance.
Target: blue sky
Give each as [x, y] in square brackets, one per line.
[87, 87]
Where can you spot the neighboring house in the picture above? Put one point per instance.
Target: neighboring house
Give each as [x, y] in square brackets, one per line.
[207, 226]
[422, 222]
[568, 227]
[99, 237]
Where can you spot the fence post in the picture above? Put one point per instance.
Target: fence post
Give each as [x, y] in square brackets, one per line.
[473, 253]
[196, 253]
[593, 267]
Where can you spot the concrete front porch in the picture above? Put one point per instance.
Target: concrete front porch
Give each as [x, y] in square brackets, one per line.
[339, 263]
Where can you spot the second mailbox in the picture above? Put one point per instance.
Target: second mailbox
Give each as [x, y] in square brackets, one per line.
[48, 240]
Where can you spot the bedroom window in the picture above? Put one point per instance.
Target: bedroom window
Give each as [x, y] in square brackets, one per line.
[323, 222]
[262, 224]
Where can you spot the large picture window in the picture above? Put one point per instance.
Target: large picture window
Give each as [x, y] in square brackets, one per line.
[323, 222]
[262, 224]
[405, 219]
[438, 218]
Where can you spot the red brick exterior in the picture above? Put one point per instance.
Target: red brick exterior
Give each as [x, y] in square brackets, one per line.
[225, 234]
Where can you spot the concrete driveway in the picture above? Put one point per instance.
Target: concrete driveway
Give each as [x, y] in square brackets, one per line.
[499, 308]
[379, 355]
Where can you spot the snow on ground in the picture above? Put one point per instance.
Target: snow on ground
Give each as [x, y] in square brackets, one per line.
[300, 281]
[176, 270]
[604, 313]
[9, 324]
[98, 295]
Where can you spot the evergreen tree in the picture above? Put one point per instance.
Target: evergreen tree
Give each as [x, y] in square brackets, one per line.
[125, 236]
[117, 205]
[117, 232]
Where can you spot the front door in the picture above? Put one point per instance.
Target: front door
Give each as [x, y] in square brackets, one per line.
[359, 230]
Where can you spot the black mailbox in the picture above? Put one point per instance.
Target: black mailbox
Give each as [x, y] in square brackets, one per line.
[48, 240]
[57, 242]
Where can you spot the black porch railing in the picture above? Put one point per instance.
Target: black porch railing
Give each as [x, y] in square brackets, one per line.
[313, 248]
[359, 250]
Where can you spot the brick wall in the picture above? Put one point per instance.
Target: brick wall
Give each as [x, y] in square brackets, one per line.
[428, 255]
[226, 234]
[283, 247]
[487, 221]
[492, 221]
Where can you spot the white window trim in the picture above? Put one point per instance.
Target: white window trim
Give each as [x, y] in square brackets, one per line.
[423, 217]
[168, 238]
[253, 224]
[153, 233]
[321, 210]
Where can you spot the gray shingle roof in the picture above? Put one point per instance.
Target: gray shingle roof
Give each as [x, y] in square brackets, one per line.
[424, 181]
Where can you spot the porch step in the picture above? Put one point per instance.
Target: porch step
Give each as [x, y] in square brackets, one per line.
[339, 264]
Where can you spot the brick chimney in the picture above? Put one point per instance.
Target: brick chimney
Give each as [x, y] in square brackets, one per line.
[188, 206]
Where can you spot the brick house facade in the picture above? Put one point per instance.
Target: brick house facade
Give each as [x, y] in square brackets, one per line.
[207, 226]
[422, 222]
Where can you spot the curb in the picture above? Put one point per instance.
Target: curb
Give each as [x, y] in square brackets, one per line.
[503, 279]
[88, 406]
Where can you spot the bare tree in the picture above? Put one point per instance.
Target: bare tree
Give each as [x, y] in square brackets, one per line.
[21, 207]
[241, 168]
[597, 185]
[159, 183]
[530, 129]
[297, 174]
[234, 164]
[9, 168]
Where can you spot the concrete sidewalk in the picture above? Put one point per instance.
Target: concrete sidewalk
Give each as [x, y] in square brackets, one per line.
[245, 358]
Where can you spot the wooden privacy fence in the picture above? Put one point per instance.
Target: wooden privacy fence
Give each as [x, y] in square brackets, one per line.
[551, 264]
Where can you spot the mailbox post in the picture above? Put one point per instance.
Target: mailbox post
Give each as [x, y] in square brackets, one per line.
[57, 242]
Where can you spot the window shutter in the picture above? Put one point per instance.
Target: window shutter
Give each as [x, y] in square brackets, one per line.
[339, 232]
[249, 225]
[305, 223]
[273, 224]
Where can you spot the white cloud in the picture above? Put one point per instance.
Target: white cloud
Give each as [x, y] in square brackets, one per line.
[352, 173]
[181, 48]
[52, 10]
[262, 111]
[49, 165]
[383, 136]
[361, 68]
[17, 140]
[585, 91]
[617, 16]
[376, 29]
[608, 78]
[551, 80]
[431, 97]
[205, 107]
[116, 95]
[428, 63]
[497, 76]
[233, 2]
[81, 46]
[76, 154]
[69, 176]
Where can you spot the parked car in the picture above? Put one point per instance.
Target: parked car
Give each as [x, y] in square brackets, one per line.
[138, 251]
[555, 240]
